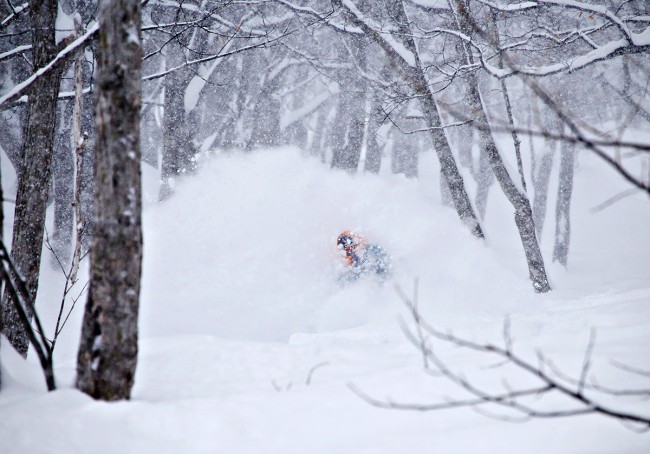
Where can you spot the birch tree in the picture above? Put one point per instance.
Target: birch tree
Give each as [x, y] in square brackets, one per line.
[109, 339]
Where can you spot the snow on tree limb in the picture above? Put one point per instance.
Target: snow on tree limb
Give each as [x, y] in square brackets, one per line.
[20, 88]
[15, 12]
[214, 57]
[15, 51]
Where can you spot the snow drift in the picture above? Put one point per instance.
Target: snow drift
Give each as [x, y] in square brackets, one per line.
[248, 341]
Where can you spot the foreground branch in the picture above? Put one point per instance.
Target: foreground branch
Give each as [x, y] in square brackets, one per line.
[17, 289]
[424, 336]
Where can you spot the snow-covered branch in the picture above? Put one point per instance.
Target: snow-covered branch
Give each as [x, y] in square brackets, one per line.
[15, 51]
[14, 13]
[19, 89]
[216, 57]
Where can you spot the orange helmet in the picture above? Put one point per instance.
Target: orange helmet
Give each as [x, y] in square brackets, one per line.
[349, 241]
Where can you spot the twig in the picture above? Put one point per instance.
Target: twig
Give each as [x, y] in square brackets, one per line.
[312, 370]
[511, 398]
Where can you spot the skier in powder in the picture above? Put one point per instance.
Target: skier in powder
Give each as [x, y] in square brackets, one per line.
[361, 258]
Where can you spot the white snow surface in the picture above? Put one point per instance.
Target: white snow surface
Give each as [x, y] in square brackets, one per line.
[248, 344]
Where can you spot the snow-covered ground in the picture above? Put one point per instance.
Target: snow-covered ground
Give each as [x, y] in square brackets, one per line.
[249, 345]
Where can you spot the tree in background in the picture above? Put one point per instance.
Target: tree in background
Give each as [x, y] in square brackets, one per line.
[337, 79]
[35, 167]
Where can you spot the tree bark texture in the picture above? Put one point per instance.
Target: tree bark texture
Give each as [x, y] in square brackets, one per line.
[35, 168]
[563, 207]
[108, 349]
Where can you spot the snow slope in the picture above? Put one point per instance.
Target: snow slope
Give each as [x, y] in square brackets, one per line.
[248, 344]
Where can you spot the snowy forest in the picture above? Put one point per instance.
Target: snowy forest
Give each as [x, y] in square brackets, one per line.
[336, 226]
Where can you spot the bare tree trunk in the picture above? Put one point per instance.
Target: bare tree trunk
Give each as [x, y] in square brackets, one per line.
[336, 141]
[563, 206]
[35, 173]
[231, 135]
[347, 153]
[79, 147]
[484, 179]
[518, 199]
[178, 147]
[317, 147]
[266, 115]
[404, 155]
[506, 98]
[296, 133]
[542, 162]
[372, 163]
[448, 167]
[62, 179]
[109, 339]
[480, 171]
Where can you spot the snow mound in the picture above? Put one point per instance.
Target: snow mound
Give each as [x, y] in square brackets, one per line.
[248, 343]
[246, 250]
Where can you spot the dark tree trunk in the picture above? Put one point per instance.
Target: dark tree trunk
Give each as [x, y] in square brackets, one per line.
[109, 339]
[563, 207]
[516, 196]
[448, 167]
[518, 199]
[35, 173]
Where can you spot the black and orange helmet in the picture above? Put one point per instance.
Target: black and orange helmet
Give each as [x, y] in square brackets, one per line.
[349, 240]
